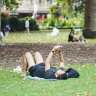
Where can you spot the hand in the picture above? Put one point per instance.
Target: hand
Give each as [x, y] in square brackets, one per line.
[58, 48]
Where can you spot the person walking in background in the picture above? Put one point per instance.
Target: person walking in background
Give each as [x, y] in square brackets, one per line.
[7, 29]
[27, 25]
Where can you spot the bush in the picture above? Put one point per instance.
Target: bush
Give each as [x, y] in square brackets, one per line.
[4, 21]
[33, 25]
[76, 22]
[14, 23]
[51, 21]
[18, 24]
[21, 24]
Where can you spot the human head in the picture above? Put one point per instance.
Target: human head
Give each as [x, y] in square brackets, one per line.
[27, 19]
[55, 27]
[72, 29]
[81, 38]
[60, 74]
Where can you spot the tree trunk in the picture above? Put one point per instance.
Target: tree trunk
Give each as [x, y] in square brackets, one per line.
[1, 42]
[90, 19]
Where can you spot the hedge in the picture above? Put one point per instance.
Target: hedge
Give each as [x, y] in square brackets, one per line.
[18, 24]
[76, 22]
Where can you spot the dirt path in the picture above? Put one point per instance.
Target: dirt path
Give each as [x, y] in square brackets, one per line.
[12, 55]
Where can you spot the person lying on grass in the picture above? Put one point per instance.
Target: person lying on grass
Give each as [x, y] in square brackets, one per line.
[38, 68]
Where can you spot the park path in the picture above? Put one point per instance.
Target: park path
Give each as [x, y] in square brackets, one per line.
[11, 55]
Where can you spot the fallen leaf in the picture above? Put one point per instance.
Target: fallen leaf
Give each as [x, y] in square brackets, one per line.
[0, 68]
[77, 94]
[42, 94]
[79, 69]
[65, 67]
[85, 93]
[13, 75]
[83, 66]
[11, 71]
[43, 90]
[86, 83]
[88, 95]
[35, 81]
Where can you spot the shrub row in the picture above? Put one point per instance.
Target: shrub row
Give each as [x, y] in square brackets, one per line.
[18, 24]
[75, 22]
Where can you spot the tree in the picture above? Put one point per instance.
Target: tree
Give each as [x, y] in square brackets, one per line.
[10, 5]
[1, 42]
[69, 6]
[90, 19]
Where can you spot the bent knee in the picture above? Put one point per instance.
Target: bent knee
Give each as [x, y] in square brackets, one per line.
[36, 53]
[27, 53]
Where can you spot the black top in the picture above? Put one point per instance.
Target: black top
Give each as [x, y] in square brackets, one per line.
[49, 74]
[70, 39]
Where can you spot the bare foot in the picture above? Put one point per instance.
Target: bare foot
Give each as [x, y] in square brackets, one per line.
[23, 74]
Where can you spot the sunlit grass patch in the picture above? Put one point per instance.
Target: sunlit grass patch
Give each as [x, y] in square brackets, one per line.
[40, 37]
[12, 84]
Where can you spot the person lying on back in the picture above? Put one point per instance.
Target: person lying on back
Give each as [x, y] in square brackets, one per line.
[38, 68]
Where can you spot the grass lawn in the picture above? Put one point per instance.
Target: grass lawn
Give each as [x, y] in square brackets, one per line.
[12, 84]
[40, 37]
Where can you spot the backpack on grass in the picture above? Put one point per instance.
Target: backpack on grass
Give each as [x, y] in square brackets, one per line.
[71, 73]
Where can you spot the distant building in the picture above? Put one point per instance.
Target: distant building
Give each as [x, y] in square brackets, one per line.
[31, 7]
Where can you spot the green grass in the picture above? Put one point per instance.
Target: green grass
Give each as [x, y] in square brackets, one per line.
[39, 37]
[12, 84]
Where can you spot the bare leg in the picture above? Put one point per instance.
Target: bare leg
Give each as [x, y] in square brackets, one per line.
[26, 31]
[38, 58]
[28, 62]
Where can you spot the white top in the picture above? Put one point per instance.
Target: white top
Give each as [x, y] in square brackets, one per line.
[55, 32]
[77, 30]
[1, 34]
[27, 23]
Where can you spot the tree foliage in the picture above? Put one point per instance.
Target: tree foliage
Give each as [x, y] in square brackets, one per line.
[11, 4]
[67, 6]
